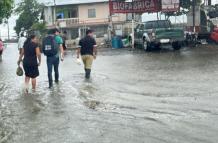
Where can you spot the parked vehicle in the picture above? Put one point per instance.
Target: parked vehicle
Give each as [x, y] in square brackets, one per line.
[205, 23]
[155, 34]
[214, 35]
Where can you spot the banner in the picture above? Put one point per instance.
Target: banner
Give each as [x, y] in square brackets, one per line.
[139, 6]
[170, 5]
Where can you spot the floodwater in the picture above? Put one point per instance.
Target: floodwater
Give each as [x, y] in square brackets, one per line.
[133, 97]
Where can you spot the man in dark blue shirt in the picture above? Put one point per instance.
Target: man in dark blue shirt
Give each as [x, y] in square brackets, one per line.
[88, 50]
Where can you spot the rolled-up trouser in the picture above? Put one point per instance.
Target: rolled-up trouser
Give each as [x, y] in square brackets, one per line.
[87, 61]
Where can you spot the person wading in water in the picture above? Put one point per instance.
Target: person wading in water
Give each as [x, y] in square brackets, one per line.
[1, 49]
[31, 57]
[88, 49]
[53, 50]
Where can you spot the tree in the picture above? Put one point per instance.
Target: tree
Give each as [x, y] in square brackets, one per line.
[41, 27]
[29, 11]
[6, 7]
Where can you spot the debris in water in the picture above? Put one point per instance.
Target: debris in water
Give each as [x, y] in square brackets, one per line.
[92, 104]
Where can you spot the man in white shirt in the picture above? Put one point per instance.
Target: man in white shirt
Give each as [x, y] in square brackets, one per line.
[21, 42]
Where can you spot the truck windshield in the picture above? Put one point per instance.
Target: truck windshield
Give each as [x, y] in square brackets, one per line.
[157, 24]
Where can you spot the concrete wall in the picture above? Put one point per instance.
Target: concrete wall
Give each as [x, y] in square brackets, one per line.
[48, 16]
[102, 13]
[101, 19]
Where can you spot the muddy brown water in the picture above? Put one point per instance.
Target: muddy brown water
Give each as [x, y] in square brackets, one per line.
[133, 97]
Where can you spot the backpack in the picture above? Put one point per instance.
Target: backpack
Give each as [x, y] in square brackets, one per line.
[50, 46]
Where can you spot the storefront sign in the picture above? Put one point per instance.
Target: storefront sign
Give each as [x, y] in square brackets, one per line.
[170, 5]
[139, 6]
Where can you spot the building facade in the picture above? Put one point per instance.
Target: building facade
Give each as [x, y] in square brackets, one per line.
[76, 17]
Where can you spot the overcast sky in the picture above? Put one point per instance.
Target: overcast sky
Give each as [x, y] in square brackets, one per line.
[12, 20]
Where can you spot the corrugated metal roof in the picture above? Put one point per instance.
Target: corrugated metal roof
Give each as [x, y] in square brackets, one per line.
[68, 2]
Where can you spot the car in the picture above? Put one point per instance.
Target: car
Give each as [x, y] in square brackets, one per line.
[155, 34]
[214, 35]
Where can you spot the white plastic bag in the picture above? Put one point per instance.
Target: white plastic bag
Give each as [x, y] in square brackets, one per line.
[78, 61]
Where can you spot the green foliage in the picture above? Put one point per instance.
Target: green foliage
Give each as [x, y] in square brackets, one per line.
[39, 27]
[29, 11]
[185, 4]
[6, 7]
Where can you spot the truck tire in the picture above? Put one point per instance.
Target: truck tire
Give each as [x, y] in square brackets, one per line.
[145, 45]
[176, 45]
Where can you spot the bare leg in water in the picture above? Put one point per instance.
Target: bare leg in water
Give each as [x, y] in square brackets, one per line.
[34, 84]
[27, 80]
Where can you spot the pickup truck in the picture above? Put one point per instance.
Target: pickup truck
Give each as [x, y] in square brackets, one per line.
[154, 34]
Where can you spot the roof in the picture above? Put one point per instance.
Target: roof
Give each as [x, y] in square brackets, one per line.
[73, 2]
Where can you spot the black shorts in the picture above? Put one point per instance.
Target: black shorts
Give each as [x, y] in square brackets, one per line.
[31, 71]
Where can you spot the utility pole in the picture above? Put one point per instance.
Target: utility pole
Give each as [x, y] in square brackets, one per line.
[110, 26]
[193, 10]
[133, 27]
[55, 22]
[209, 2]
[8, 29]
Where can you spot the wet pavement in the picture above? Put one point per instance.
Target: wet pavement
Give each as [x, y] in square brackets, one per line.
[133, 97]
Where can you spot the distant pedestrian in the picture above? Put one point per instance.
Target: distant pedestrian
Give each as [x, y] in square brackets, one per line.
[31, 60]
[1, 48]
[88, 49]
[53, 50]
[64, 37]
[21, 42]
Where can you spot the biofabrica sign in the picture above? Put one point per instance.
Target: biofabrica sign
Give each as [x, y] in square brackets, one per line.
[139, 6]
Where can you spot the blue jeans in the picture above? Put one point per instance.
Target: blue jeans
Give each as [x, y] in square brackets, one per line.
[53, 62]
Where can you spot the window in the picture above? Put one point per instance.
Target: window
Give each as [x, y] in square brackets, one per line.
[73, 13]
[129, 17]
[163, 24]
[74, 33]
[60, 15]
[91, 13]
[100, 30]
[149, 25]
[67, 12]
[141, 27]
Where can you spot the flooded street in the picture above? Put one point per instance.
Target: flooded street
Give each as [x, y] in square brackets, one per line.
[133, 97]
